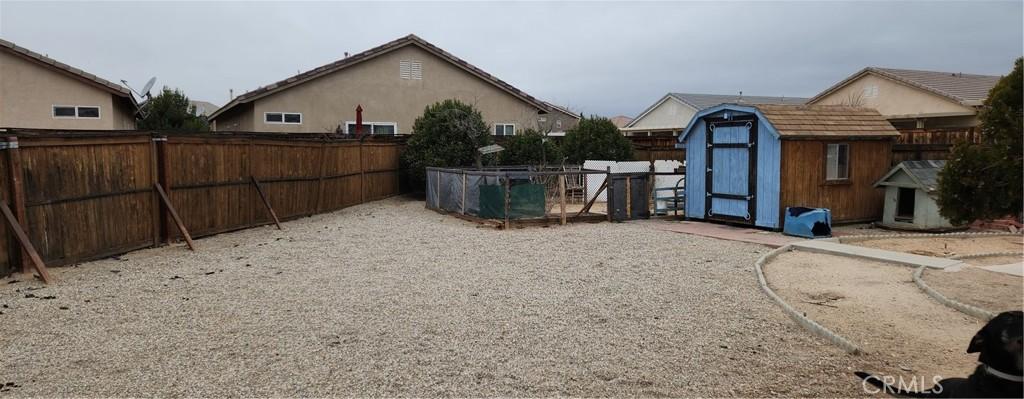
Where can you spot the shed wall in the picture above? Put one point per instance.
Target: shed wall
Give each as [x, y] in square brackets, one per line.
[803, 178]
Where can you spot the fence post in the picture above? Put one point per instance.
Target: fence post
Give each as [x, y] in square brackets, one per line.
[155, 168]
[561, 196]
[164, 179]
[609, 201]
[320, 180]
[362, 175]
[17, 199]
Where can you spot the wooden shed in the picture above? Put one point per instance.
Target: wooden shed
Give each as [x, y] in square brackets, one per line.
[747, 163]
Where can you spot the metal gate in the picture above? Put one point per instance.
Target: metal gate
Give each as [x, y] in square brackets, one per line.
[731, 179]
[628, 196]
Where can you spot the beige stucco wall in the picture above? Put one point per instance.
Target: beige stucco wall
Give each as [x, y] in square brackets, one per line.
[331, 100]
[895, 100]
[28, 92]
[671, 115]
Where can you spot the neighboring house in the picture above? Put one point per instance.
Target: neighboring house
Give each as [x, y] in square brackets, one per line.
[910, 197]
[672, 113]
[393, 83]
[621, 121]
[203, 108]
[746, 163]
[557, 121]
[39, 92]
[914, 99]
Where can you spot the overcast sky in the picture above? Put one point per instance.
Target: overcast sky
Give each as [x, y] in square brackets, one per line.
[598, 58]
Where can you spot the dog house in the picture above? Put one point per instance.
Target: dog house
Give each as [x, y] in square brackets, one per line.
[910, 197]
[746, 163]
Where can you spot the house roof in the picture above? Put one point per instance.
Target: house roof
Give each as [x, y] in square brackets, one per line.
[621, 120]
[204, 107]
[94, 80]
[962, 88]
[562, 109]
[826, 120]
[372, 53]
[924, 173]
[809, 121]
[704, 101]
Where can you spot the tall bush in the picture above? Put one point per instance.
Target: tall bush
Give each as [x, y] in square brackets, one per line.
[530, 148]
[596, 138]
[446, 135]
[171, 110]
[984, 181]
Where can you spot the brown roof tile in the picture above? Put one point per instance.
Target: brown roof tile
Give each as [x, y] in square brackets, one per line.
[826, 120]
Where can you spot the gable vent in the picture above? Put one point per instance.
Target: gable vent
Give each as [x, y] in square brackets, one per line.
[410, 69]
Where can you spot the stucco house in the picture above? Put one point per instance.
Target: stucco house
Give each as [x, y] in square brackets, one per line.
[673, 112]
[392, 83]
[39, 92]
[913, 99]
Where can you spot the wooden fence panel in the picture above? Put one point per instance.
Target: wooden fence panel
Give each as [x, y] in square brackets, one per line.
[341, 176]
[208, 183]
[290, 173]
[88, 198]
[7, 265]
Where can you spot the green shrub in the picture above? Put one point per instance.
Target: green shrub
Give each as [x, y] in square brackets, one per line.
[596, 138]
[446, 135]
[171, 110]
[530, 148]
[984, 181]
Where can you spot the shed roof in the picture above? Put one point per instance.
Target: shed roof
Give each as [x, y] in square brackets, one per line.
[372, 53]
[826, 120]
[963, 88]
[107, 85]
[924, 173]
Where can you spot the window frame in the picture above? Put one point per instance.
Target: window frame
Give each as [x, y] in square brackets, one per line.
[53, 111]
[825, 164]
[282, 122]
[505, 126]
[410, 70]
[371, 125]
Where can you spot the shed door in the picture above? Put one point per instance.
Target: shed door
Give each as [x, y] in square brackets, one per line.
[731, 179]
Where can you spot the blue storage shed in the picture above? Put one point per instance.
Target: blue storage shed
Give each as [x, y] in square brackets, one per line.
[746, 163]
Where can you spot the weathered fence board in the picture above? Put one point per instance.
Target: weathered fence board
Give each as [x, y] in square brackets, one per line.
[88, 195]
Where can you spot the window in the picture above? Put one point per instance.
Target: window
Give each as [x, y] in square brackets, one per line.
[375, 128]
[408, 69]
[291, 118]
[88, 112]
[837, 162]
[870, 91]
[504, 129]
[72, 111]
[905, 204]
[60, 111]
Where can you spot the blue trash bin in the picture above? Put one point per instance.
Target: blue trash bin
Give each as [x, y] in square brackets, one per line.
[808, 222]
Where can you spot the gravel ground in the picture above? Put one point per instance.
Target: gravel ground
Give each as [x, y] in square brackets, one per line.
[390, 299]
[992, 291]
[878, 307]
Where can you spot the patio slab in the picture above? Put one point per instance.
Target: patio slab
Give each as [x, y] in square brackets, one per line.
[903, 258]
[731, 233]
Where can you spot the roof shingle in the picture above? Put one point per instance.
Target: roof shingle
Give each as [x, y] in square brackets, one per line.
[826, 121]
[965, 89]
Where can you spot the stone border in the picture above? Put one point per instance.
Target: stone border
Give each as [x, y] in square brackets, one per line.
[867, 237]
[972, 311]
[799, 317]
[985, 255]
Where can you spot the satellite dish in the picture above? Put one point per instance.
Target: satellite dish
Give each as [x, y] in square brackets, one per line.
[149, 85]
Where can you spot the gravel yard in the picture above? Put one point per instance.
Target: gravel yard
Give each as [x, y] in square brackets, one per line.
[995, 292]
[944, 247]
[390, 299]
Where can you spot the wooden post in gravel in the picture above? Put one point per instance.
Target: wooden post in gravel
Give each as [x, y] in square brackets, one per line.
[561, 196]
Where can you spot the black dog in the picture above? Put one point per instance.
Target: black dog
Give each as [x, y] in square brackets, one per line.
[998, 375]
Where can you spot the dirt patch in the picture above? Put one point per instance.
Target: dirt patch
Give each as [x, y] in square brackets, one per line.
[878, 307]
[988, 290]
[993, 260]
[944, 247]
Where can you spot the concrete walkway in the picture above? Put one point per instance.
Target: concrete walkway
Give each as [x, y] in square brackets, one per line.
[903, 258]
[732, 233]
[1013, 269]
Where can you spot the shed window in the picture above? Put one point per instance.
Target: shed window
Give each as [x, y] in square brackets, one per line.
[837, 162]
[905, 204]
[375, 128]
[293, 118]
[504, 129]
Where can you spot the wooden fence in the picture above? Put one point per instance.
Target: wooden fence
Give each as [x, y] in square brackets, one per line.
[925, 144]
[85, 196]
[651, 148]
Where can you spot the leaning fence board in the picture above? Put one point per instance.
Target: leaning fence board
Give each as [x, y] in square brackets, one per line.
[266, 203]
[19, 233]
[174, 215]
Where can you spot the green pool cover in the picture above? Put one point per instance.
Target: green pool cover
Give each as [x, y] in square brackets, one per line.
[525, 201]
